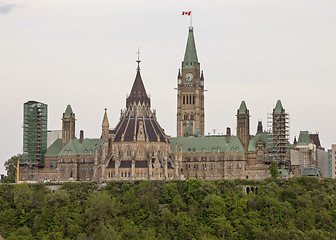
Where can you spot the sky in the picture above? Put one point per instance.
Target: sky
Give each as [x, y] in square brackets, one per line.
[83, 53]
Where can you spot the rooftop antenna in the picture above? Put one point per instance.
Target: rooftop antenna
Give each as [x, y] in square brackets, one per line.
[138, 61]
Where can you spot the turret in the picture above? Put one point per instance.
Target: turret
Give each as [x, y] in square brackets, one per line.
[68, 125]
[243, 124]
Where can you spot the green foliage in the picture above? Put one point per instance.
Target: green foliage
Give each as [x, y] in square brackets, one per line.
[274, 170]
[299, 208]
[10, 166]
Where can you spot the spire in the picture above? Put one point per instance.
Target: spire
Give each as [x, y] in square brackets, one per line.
[260, 127]
[190, 56]
[138, 91]
[295, 142]
[179, 76]
[242, 109]
[68, 111]
[138, 61]
[202, 76]
[105, 123]
[278, 108]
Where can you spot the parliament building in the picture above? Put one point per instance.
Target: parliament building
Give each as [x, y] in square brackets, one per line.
[137, 147]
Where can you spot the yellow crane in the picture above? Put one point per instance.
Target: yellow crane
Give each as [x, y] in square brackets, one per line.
[18, 172]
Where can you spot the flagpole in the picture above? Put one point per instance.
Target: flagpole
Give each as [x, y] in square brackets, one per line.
[190, 19]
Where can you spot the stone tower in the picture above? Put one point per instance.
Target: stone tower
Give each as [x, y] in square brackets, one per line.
[190, 87]
[68, 125]
[280, 133]
[243, 124]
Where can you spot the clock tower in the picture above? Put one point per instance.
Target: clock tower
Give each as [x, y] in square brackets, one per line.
[190, 92]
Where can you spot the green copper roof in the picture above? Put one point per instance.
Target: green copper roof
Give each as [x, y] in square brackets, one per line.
[54, 148]
[278, 108]
[197, 132]
[311, 170]
[304, 138]
[87, 147]
[190, 56]
[253, 142]
[208, 144]
[283, 172]
[68, 111]
[188, 131]
[242, 108]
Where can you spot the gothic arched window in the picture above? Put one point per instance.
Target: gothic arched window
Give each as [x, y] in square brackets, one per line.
[129, 152]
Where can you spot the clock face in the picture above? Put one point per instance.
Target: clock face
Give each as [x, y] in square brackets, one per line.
[189, 77]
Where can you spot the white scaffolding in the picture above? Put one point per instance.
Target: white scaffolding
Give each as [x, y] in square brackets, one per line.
[278, 134]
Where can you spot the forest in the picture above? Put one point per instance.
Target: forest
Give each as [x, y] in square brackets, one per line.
[298, 208]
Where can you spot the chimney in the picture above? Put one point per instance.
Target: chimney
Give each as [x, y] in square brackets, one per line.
[228, 134]
[81, 136]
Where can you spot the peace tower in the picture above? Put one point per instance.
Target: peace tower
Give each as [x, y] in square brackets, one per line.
[190, 92]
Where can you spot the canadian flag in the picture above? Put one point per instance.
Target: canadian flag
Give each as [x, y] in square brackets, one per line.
[186, 13]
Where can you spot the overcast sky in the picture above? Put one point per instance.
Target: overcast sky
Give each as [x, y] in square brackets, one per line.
[83, 52]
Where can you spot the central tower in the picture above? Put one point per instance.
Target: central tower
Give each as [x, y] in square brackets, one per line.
[190, 92]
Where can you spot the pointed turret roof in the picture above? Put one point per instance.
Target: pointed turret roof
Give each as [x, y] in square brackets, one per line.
[242, 109]
[68, 111]
[138, 92]
[304, 138]
[190, 56]
[278, 108]
[105, 122]
[259, 127]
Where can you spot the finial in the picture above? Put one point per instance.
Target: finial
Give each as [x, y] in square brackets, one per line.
[138, 61]
[105, 109]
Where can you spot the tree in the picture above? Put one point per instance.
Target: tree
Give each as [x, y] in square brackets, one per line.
[274, 170]
[10, 166]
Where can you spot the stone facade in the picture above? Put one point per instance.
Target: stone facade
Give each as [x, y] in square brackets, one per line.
[137, 148]
[190, 91]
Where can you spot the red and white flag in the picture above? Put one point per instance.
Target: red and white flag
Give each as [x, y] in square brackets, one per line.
[186, 13]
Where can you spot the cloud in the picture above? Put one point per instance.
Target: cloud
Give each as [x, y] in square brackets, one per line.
[7, 8]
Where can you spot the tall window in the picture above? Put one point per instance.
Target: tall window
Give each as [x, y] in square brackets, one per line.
[129, 152]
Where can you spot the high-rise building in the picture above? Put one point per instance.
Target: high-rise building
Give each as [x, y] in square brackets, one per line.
[190, 91]
[35, 132]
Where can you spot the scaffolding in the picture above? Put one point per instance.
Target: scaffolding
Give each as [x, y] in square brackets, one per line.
[278, 135]
[35, 132]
